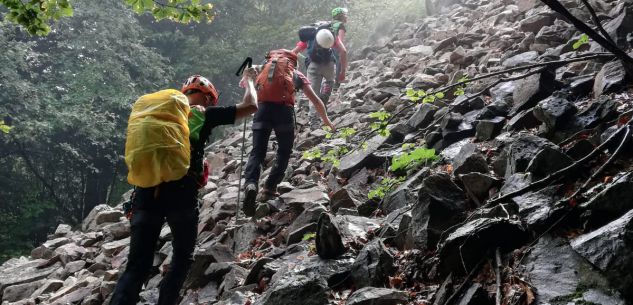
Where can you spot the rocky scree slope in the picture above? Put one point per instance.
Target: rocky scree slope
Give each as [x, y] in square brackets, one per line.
[438, 237]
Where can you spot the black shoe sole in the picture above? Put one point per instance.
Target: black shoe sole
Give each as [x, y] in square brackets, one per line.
[250, 198]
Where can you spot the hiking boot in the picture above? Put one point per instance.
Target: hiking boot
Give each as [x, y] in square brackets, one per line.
[266, 195]
[250, 195]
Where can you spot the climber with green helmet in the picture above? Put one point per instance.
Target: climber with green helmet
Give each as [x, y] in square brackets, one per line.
[339, 17]
[326, 55]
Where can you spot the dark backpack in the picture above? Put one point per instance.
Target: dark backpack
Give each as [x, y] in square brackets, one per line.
[316, 53]
[275, 83]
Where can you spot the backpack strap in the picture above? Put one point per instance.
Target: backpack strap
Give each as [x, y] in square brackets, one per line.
[271, 71]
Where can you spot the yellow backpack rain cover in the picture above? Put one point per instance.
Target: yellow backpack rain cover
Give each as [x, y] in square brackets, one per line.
[157, 147]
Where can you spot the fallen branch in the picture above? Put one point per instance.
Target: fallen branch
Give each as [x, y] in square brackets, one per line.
[626, 60]
[498, 263]
[625, 139]
[560, 173]
[468, 278]
[597, 22]
[553, 63]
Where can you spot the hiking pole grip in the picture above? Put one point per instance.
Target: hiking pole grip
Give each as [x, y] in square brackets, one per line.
[248, 62]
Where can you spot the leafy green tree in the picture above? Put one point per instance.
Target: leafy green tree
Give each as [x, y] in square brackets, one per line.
[36, 15]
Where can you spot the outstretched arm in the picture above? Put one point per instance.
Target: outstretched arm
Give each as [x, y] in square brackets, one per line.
[342, 51]
[318, 105]
[248, 105]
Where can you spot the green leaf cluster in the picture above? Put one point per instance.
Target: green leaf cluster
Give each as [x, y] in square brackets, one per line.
[422, 96]
[412, 159]
[4, 128]
[381, 123]
[584, 39]
[385, 186]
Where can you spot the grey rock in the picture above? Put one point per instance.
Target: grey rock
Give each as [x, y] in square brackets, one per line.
[522, 59]
[298, 234]
[469, 160]
[611, 77]
[522, 150]
[488, 129]
[464, 104]
[21, 291]
[108, 216]
[534, 23]
[329, 242]
[553, 111]
[547, 161]
[440, 205]
[468, 244]
[612, 201]
[373, 265]
[557, 271]
[609, 248]
[478, 184]
[310, 289]
[63, 230]
[532, 89]
[89, 223]
[362, 158]
[423, 116]
[523, 120]
[377, 296]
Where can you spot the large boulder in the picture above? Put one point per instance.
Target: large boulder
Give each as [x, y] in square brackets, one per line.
[522, 150]
[441, 204]
[469, 160]
[532, 89]
[306, 289]
[362, 157]
[329, 242]
[377, 296]
[468, 244]
[610, 249]
[373, 265]
[612, 201]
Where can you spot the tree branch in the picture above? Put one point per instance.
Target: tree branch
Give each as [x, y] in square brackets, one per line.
[625, 139]
[627, 61]
[597, 22]
[560, 173]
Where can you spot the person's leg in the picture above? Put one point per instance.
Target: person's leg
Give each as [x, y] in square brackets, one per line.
[284, 131]
[183, 222]
[145, 230]
[258, 154]
[328, 71]
[315, 77]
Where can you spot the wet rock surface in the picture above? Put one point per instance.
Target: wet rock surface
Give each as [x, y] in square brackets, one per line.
[323, 241]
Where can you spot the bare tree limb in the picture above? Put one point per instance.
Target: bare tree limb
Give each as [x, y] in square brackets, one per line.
[627, 61]
[597, 22]
[625, 138]
[560, 173]
[498, 263]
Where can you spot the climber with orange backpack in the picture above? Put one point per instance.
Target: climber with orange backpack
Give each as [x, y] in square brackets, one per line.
[277, 82]
[164, 153]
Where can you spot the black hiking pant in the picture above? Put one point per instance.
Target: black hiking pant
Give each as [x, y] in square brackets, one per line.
[269, 117]
[175, 202]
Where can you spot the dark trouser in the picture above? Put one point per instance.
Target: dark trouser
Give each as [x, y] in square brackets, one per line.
[269, 117]
[176, 202]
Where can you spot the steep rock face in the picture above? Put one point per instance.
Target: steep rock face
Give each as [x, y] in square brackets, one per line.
[323, 241]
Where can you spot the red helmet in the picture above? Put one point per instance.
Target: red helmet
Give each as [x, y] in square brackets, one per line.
[203, 85]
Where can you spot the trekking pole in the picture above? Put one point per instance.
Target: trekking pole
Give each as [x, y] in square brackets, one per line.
[247, 63]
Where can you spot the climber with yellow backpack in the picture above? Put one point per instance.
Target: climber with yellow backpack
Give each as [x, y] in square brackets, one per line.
[164, 157]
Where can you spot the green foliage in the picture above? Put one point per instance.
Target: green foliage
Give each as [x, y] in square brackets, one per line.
[380, 126]
[4, 128]
[308, 236]
[459, 90]
[385, 186]
[36, 15]
[412, 159]
[584, 39]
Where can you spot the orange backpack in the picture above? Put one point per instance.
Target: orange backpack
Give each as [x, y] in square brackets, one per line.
[275, 81]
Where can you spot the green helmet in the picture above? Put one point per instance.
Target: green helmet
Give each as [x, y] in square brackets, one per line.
[337, 11]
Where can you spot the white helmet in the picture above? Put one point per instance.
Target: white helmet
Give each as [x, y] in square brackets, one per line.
[325, 39]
